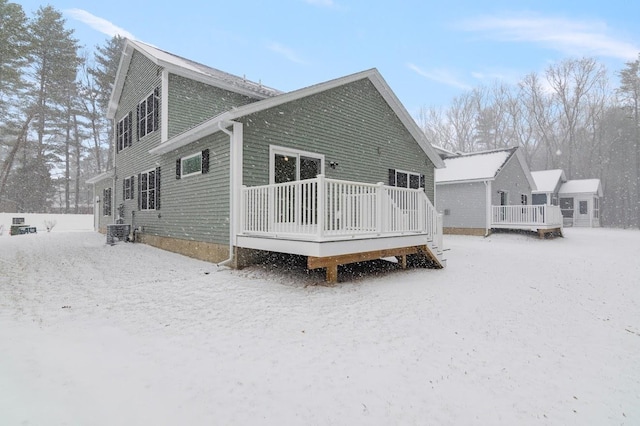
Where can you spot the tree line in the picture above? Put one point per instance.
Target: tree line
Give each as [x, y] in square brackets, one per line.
[569, 117]
[54, 133]
[53, 101]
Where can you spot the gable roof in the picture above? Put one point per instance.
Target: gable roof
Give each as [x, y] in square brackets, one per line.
[185, 68]
[581, 186]
[212, 125]
[475, 166]
[547, 180]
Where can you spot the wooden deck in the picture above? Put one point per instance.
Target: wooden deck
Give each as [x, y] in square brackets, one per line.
[543, 219]
[335, 222]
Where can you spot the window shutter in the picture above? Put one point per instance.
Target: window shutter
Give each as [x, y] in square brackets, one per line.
[205, 161]
[178, 166]
[138, 122]
[422, 182]
[124, 188]
[129, 128]
[156, 109]
[139, 191]
[132, 187]
[392, 177]
[157, 188]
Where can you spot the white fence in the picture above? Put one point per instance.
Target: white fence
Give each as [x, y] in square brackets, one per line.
[62, 222]
[526, 216]
[324, 209]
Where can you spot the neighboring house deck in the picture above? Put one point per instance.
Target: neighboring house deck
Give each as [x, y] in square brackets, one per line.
[481, 191]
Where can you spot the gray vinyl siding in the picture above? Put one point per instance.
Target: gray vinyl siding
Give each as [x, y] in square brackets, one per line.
[143, 77]
[466, 204]
[512, 179]
[196, 207]
[351, 125]
[191, 103]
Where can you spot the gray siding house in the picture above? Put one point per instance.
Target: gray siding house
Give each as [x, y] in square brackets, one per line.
[481, 191]
[221, 168]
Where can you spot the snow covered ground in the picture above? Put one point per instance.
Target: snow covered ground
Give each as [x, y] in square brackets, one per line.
[515, 330]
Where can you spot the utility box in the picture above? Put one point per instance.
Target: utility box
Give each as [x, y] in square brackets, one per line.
[117, 232]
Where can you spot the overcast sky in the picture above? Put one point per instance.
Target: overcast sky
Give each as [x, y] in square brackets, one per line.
[427, 51]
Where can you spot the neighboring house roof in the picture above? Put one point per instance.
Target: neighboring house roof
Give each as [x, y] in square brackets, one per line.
[477, 166]
[102, 176]
[581, 186]
[213, 125]
[547, 180]
[185, 68]
[444, 153]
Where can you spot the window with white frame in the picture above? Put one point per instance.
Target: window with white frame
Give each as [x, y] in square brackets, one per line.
[194, 164]
[127, 188]
[148, 114]
[596, 208]
[404, 179]
[123, 132]
[106, 202]
[149, 190]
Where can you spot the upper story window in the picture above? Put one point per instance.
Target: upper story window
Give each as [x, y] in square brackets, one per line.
[123, 132]
[148, 114]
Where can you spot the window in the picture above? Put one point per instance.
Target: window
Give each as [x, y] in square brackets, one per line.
[404, 179]
[127, 188]
[596, 208]
[524, 200]
[193, 165]
[583, 207]
[106, 202]
[148, 112]
[124, 132]
[149, 190]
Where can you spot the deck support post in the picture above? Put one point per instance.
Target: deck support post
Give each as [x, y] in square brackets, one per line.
[332, 273]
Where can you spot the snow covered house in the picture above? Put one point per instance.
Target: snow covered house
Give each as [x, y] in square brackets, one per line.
[481, 191]
[580, 202]
[548, 183]
[221, 168]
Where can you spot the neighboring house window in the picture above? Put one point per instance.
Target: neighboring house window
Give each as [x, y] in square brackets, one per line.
[124, 132]
[127, 188]
[106, 202]
[524, 200]
[149, 190]
[193, 165]
[596, 208]
[566, 205]
[404, 179]
[583, 207]
[148, 113]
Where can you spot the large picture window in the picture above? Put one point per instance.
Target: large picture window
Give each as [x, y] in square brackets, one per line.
[149, 190]
[148, 113]
[123, 130]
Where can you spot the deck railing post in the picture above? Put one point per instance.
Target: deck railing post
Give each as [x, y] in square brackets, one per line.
[322, 219]
[243, 209]
[379, 207]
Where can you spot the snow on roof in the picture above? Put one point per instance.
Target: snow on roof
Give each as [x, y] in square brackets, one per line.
[229, 79]
[580, 186]
[547, 180]
[475, 166]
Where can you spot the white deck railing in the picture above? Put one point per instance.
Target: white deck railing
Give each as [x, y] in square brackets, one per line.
[539, 216]
[324, 209]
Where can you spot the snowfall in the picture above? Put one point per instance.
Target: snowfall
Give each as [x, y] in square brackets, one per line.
[516, 330]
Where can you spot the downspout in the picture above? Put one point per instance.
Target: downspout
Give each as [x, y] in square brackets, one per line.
[231, 197]
[489, 209]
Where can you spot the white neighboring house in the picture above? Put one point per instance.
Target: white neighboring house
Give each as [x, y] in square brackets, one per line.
[548, 183]
[580, 202]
